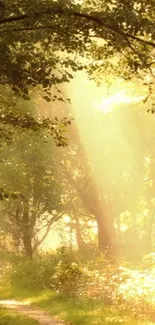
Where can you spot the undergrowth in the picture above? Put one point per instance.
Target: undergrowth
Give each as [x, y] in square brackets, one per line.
[91, 292]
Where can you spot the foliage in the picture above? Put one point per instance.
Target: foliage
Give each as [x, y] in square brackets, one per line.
[68, 277]
[111, 291]
[31, 174]
[39, 40]
[34, 275]
[100, 280]
[46, 271]
[18, 115]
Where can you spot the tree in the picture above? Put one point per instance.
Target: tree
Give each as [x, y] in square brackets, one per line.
[30, 168]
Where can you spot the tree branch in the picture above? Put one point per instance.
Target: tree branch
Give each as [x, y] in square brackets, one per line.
[89, 17]
[56, 218]
[83, 197]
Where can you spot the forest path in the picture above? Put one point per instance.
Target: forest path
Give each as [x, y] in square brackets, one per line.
[43, 317]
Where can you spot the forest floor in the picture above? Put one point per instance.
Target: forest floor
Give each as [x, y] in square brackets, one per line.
[48, 308]
[12, 317]
[37, 314]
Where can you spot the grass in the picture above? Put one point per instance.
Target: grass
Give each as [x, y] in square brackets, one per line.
[8, 317]
[74, 311]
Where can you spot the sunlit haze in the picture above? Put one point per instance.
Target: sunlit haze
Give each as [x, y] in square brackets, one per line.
[90, 106]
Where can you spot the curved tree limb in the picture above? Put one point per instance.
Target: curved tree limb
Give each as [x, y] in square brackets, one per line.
[89, 17]
[50, 223]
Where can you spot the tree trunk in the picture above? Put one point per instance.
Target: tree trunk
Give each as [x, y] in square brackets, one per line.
[79, 238]
[16, 242]
[27, 240]
[27, 245]
[16, 233]
[106, 236]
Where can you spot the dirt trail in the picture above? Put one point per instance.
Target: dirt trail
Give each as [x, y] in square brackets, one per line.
[41, 316]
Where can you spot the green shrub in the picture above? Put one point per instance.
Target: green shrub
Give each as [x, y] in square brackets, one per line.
[59, 271]
[68, 277]
[63, 272]
[35, 274]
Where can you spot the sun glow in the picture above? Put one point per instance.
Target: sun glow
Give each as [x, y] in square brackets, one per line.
[123, 227]
[66, 218]
[109, 103]
[106, 139]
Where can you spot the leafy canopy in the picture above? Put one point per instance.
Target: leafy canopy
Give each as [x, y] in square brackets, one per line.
[39, 40]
